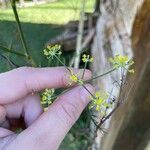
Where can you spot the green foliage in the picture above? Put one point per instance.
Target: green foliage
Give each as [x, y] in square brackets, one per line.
[49, 13]
[39, 23]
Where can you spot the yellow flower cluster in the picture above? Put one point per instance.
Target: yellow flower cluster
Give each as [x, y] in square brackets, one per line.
[52, 51]
[123, 62]
[47, 97]
[87, 58]
[100, 101]
[74, 78]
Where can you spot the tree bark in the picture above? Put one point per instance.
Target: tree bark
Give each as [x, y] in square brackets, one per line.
[120, 20]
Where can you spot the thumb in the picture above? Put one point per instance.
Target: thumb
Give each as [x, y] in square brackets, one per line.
[50, 129]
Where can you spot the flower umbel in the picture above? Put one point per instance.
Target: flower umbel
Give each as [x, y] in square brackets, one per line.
[52, 51]
[122, 62]
[100, 102]
[47, 95]
[87, 58]
[74, 78]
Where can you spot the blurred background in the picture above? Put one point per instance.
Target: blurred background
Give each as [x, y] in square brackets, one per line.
[102, 28]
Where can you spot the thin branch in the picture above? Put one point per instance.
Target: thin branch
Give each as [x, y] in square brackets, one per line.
[85, 65]
[88, 90]
[5, 49]
[101, 75]
[9, 61]
[104, 119]
[13, 4]
[62, 63]
[28, 56]
[80, 35]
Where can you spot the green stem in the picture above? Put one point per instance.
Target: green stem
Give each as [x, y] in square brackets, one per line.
[10, 62]
[101, 75]
[28, 56]
[69, 71]
[62, 62]
[85, 65]
[13, 4]
[88, 91]
[11, 51]
[63, 92]
[96, 78]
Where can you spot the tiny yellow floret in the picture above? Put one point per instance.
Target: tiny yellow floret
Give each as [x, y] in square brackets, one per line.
[52, 51]
[122, 62]
[87, 58]
[74, 78]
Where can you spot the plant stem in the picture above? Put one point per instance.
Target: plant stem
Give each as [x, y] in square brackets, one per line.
[13, 4]
[63, 92]
[101, 75]
[104, 119]
[10, 62]
[88, 91]
[27, 54]
[80, 35]
[85, 65]
[61, 62]
[69, 71]
[11, 51]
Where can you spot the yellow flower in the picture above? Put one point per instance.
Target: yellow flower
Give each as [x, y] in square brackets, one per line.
[47, 96]
[87, 58]
[123, 62]
[100, 102]
[44, 98]
[74, 78]
[51, 51]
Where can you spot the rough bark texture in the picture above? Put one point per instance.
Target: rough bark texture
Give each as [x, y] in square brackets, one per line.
[120, 20]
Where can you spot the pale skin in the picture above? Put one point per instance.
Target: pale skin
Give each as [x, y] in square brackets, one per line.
[44, 130]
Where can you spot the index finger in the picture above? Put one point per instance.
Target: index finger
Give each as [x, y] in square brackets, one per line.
[20, 82]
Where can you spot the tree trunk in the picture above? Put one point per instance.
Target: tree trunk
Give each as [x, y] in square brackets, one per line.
[120, 20]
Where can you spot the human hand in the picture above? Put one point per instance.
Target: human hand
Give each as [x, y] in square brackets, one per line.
[44, 131]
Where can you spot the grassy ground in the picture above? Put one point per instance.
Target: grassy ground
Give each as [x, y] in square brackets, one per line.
[59, 12]
[40, 23]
